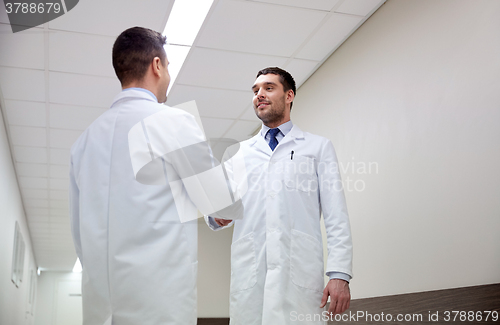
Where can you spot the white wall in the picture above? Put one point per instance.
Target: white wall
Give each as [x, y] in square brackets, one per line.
[417, 91]
[214, 271]
[14, 302]
[55, 307]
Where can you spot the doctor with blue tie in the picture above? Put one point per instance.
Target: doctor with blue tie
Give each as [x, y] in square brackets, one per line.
[277, 268]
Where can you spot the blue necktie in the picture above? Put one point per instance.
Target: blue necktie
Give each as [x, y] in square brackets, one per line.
[272, 135]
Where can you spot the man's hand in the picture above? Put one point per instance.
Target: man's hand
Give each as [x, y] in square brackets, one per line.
[340, 296]
[222, 222]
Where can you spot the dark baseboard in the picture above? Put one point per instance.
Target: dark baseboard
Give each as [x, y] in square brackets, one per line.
[476, 299]
[468, 299]
[213, 321]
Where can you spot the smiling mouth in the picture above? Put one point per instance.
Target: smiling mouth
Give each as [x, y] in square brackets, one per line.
[262, 104]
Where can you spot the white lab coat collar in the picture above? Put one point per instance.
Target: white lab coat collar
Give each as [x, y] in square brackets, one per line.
[132, 94]
[284, 128]
[259, 142]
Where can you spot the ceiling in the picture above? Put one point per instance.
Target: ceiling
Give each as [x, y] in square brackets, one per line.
[57, 78]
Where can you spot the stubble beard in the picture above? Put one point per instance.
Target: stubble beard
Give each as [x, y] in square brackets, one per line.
[273, 115]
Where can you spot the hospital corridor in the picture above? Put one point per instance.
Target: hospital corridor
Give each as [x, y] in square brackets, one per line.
[249, 162]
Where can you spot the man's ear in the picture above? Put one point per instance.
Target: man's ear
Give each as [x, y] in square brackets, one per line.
[290, 96]
[157, 66]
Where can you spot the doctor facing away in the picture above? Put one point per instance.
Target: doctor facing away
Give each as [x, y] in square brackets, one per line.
[139, 260]
[277, 253]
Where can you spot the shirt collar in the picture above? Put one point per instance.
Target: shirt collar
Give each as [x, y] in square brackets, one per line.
[143, 90]
[284, 128]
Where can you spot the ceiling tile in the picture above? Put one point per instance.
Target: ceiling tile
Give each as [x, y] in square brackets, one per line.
[37, 211]
[358, 7]
[55, 242]
[42, 220]
[39, 228]
[211, 102]
[59, 184]
[214, 68]
[59, 195]
[215, 127]
[300, 70]
[61, 226]
[59, 212]
[59, 171]
[57, 262]
[30, 155]
[33, 182]
[22, 84]
[59, 204]
[111, 17]
[29, 193]
[60, 234]
[38, 238]
[311, 4]
[59, 219]
[92, 52]
[73, 117]
[28, 136]
[36, 203]
[23, 49]
[25, 113]
[242, 130]
[333, 32]
[245, 26]
[41, 223]
[32, 170]
[63, 138]
[73, 89]
[59, 156]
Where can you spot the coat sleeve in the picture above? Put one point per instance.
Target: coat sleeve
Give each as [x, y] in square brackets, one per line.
[74, 206]
[334, 208]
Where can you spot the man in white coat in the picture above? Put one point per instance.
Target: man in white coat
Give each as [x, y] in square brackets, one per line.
[277, 268]
[139, 261]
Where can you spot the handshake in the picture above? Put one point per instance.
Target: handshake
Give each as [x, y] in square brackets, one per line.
[222, 222]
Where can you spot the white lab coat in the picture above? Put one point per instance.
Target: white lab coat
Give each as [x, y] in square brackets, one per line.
[277, 268]
[139, 261]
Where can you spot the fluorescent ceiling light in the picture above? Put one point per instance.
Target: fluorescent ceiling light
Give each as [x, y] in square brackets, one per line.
[182, 27]
[176, 56]
[185, 21]
[78, 266]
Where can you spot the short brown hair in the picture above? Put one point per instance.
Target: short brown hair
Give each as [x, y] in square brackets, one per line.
[286, 79]
[133, 51]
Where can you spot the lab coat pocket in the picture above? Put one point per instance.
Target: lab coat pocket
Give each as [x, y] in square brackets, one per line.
[243, 264]
[306, 261]
[300, 174]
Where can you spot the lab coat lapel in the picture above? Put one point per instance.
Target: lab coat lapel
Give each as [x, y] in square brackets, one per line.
[259, 143]
[295, 135]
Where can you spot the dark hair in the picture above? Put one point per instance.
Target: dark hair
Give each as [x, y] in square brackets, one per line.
[133, 51]
[286, 79]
